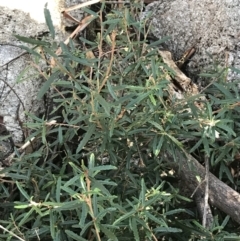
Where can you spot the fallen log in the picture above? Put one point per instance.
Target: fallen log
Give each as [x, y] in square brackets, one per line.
[220, 195]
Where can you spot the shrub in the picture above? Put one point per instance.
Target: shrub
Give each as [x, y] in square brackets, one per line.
[99, 171]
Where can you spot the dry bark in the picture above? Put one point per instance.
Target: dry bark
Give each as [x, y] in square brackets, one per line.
[220, 195]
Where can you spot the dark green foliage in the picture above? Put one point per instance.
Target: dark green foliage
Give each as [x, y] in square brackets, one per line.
[99, 172]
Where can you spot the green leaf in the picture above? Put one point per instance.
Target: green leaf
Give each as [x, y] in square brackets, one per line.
[95, 205]
[196, 145]
[155, 124]
[15, 176]
[175, 211]
[103, 168]
[85, 62]
[23, 192]
[206, 146]
[20, 205]
[2, 138]
[58, 189]
[137, 100]
[86, 227]
[155, 219]
[53, 220]
[153, 68]
[31, 41]
[50, 52]
[103, 103]
[71, 181]
[152, 99]
[125, 216]
[40, 231]
[84, 213]
[71, 205]
[68, 190]
[223, 90]
[101, 187]
[167, 230]
[90, 12]
[91, 162]
[174, 140]
[142, 193]
[49, 22]
[86, 137]
[109, 234]
[73, 235]
[75, 168]
[26, 218]
[208, 75]
[158, 42]
[46, 86]
[224, 168]
[225, 221]
[227, 129]
[159, 146]
[31, 51]
[60, 136]
[111, 91]
[153, 200]
[135, 229]
[103, 213]
[112, 21]
[231, 237]
[87, 41]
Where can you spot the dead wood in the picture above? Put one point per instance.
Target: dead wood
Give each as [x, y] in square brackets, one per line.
[220, 195]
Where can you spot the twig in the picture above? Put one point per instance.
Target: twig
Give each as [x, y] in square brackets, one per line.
[18, 107]
[113, 38]
[82, 25]
[81, 5]
[204, 221]
[88, 200]
[197, 187]
[11, 88]
[17, 57]
[10, 232]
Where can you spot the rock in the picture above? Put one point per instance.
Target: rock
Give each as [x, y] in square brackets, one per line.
[6, 142]
[212, 26]
[25, 18]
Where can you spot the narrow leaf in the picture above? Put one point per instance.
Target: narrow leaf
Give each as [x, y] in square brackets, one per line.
[47, 85]
[103, 103]
[60, 136]
[223, 90]
[26, 218]
[24, 193]
[137, 100]
[31, 40]
[74, 236]
[49, 22]
[135, 229]
[87, 137]
[58, 189]
[159, 42]
[125, 216]
[109, 234]
[168, 230]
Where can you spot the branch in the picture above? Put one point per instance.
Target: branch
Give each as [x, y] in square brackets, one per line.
[220, 195]
[204, 222]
